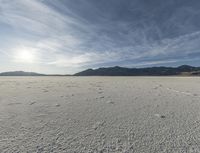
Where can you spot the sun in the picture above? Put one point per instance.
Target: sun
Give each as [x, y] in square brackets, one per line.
[24, 56]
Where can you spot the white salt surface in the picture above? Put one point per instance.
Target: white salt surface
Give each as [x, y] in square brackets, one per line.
[99, 114]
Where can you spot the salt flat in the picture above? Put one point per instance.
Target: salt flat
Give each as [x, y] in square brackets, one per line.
[100, 114]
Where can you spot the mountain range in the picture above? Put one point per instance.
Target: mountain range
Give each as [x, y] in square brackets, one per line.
[150, 71]
[122, 71]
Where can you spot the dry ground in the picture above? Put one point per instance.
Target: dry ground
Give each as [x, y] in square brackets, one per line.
[100, 114]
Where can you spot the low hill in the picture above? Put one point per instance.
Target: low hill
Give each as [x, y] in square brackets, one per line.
[20, 73]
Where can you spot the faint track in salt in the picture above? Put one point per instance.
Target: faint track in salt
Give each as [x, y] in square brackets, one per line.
[183, 92]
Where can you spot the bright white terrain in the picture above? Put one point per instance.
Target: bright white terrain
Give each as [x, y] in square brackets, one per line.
[100, 114]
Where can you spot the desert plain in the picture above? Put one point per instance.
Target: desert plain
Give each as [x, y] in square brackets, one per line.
[100, 114]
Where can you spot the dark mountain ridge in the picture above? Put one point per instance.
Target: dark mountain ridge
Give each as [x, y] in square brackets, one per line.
[151, 71]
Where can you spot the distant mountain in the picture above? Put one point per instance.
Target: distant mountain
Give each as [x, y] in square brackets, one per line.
[20, 73]
[184, 70]
[151, 71]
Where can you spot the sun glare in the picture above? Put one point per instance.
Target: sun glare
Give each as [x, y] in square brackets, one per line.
[25, 56]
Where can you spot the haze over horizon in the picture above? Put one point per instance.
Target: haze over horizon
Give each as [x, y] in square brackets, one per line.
[67, 36]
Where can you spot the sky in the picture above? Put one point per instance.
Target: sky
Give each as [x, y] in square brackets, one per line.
[68, 36]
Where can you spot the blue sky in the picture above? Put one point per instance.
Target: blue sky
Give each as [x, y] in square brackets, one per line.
[67, 36]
